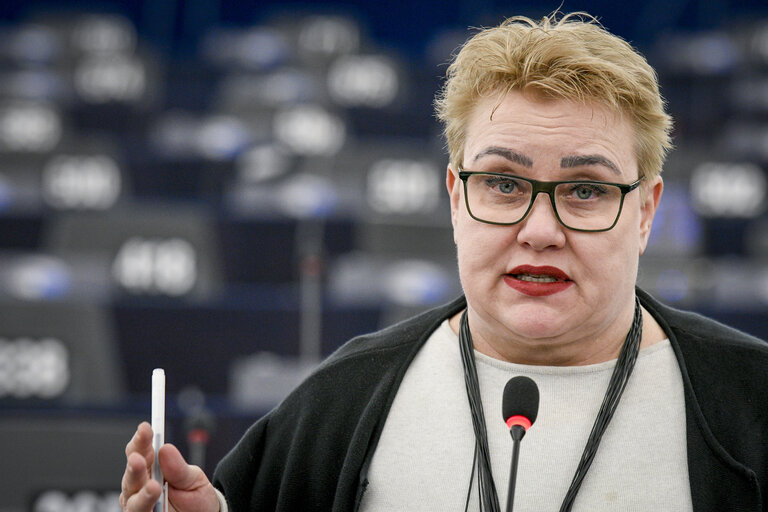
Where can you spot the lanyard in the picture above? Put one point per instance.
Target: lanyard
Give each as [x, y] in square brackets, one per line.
[481, 464]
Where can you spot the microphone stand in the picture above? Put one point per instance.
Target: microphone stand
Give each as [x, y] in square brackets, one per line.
[517, 432]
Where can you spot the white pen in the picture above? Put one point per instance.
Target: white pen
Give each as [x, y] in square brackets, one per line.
[158, 433]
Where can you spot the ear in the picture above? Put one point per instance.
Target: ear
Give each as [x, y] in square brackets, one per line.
[453, 184]
[648, 210]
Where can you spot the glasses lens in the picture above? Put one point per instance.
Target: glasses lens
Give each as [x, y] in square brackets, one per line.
[587, 205]
[580, 205]
[500, 199]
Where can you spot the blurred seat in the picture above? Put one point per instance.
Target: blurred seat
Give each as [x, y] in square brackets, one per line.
[36, 276]
[677, 280]
[29, 127]
[677, 228]
[54, 462]
[317, 38]
[58, 352]
[695, 68]
[34, 84]
[743, 139]
[240, 92]
[29, 44]
[80, 174]
[740, 285]
[748, 96]
[151, 249]
[20, 183]
[752, 34]
[404, 257]
[249, 48]
[386, 179]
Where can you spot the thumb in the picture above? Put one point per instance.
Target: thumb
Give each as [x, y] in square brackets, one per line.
[188, 487]
[177, 472]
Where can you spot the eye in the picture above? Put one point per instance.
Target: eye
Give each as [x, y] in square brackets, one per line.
[587, 191]
[503, 185]
[507, 187]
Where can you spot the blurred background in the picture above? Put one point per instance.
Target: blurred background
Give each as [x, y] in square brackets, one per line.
[230, 190]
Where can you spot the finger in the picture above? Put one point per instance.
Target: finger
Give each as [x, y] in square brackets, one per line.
[135, 476]
[144, 500]
[188, 487]
[177, 472]
[141, 443]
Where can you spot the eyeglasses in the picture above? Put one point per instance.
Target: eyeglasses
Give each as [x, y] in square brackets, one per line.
[505, 199]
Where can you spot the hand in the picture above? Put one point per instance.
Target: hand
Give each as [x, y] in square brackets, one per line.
[189, 490]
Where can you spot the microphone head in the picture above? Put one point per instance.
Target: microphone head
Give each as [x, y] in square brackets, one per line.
[520, 402]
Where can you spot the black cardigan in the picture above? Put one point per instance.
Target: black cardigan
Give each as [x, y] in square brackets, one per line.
[312, 452]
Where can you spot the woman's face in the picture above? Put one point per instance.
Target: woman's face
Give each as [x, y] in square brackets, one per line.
[538, 292]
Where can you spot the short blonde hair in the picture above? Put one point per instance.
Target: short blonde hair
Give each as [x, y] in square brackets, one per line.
[572, 58]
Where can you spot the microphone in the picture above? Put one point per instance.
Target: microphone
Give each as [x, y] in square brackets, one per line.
[519, 407]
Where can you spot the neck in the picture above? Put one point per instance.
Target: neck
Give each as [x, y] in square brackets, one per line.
[576, 352]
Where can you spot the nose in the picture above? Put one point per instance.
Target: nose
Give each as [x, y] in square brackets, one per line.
[540, 229]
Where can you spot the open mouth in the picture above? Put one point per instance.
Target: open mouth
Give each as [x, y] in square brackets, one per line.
[545, 274]
[538, 281]
[531, 278]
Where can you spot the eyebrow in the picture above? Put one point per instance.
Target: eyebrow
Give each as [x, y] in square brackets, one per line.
[512, 156]
[583, 160]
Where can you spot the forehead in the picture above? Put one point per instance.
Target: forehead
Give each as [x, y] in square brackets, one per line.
[546, 130]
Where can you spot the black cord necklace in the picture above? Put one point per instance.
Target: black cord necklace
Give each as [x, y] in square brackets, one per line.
[481, 464]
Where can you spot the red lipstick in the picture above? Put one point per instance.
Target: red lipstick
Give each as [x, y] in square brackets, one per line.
[537, 281]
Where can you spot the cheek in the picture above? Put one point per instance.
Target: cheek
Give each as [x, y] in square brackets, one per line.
[604, 259]
[480, 246]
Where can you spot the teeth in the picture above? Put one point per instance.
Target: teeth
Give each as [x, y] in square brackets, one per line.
[536, 279]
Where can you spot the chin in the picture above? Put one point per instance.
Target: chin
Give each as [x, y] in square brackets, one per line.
[537, 321]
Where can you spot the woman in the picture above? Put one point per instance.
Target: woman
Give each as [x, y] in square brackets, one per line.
[557, 136]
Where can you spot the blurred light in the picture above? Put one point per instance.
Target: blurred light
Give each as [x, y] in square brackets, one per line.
[33, 368]
[280, 88]
[39, 277]
[750, 94]
[175, 134]
[288, 87]
[81, 182]
[81, 501]
[759, 42]
[102, 79]
[702, 54]
[443, 44]
[329, 36]
[261, 163]
[51, 501]
[263, 379]
[403, 186]
[31, 43]
[37, 84]
[357, 80]
[310, 130]
[104, 34]
[6, 193]
[29, 127]
[756, 239]
[762, 286]
[156, 266]
[222, 137]
[676, 228]
[352, 279]
[307, 195]
[728, 189]
[255, 48]
[672, 285]
[416, 282]
[736, 284]
[748, 140]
